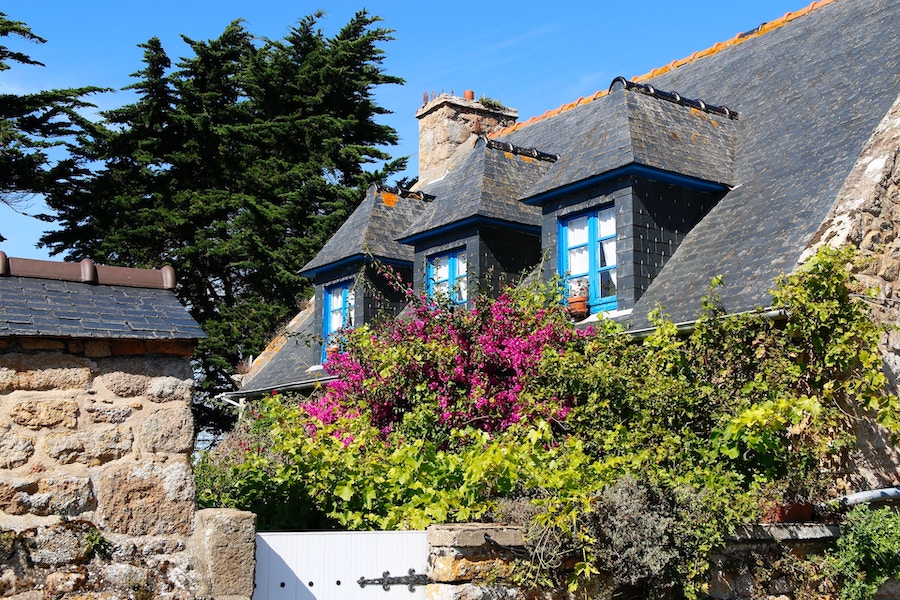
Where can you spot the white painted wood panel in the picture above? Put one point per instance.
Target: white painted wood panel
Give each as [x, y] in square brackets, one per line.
[327, 565]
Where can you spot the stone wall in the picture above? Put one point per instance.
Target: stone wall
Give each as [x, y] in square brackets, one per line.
[448, 121]
[96, 487]
[867, 216]
[473, 562]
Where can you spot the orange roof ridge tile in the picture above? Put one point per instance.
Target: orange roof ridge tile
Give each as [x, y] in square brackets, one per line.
[87, 271]
[737, 39]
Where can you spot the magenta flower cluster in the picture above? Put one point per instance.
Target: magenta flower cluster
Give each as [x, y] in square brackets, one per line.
[443, 367]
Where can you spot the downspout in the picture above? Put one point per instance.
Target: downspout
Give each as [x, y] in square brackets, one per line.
[890, 493]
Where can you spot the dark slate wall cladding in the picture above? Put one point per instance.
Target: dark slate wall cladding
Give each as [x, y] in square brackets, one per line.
[617, 192]
[380, 297]
[661, 216]
[504, 256]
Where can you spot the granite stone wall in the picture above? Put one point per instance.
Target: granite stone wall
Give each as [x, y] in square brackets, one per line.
[867, 216]
[96, 487]
[475, 562]
[446, 122]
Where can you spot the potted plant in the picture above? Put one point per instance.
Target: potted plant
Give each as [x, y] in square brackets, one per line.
[578, 298]
[791, 499]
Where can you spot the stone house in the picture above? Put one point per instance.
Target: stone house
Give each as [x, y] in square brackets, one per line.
[735, 162]
[96, 433]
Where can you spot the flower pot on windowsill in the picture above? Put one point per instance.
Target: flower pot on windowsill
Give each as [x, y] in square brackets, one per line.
[331, 351]
[578, 308]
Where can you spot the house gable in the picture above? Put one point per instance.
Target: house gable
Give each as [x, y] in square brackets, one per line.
[809, 89]
[721, 164]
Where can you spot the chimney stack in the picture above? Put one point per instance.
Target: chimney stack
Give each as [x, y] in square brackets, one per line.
[448, 121]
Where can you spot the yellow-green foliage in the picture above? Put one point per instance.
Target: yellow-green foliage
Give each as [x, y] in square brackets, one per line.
[702, 424]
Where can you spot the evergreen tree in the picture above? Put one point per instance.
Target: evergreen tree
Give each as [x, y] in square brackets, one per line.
[235, 169]
[31, 124]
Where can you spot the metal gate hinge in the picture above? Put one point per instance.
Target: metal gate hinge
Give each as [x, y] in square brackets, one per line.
[411, 580]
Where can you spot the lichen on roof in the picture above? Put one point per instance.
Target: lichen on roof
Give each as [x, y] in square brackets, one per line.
[715, 49]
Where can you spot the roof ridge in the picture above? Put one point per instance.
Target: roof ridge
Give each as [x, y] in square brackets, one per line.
[529, 152]
[87, 271]
[714, 49]
[675, 98]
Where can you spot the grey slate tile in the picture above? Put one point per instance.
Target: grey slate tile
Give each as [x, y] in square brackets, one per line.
[35, 307]
[485, 182]
[289, 364]
[371, 229]
[810, 94]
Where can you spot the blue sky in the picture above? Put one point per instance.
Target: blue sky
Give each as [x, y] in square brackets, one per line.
[533, 56]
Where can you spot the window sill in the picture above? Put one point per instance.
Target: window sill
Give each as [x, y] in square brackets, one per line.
[605, 314]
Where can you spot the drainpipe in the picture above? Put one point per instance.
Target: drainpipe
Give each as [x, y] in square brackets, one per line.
[891, 493]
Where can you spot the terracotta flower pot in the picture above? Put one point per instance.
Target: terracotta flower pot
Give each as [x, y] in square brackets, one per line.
[578, 307]
[794, 512]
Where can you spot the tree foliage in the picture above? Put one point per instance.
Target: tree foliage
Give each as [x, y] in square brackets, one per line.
[616, 444]
[32, 124]
[234, 167]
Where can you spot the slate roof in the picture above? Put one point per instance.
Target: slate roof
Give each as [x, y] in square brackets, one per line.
[632, 128]
[284, 363]
[809, 89]
[484, 182]
[49, 303]
[371, 229]
[809, 92]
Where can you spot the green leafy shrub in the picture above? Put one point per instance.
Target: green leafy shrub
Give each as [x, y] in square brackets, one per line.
[867, 553]
[98, 544]
[457, 415]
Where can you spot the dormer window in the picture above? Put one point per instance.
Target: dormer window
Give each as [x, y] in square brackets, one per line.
[339, 305]
[446, 275]
[587, 256]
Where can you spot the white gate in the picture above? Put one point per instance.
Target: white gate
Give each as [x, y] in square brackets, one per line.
[330, 565]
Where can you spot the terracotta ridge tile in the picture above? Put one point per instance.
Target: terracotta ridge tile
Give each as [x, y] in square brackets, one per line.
[716, 48]
[87, 271]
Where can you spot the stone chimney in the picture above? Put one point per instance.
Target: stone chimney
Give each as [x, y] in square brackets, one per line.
[447, 121]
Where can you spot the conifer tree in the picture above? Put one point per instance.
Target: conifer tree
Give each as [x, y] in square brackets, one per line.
[234, 168]
[31, 124]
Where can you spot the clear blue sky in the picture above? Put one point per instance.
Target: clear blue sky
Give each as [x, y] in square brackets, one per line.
[530, 55]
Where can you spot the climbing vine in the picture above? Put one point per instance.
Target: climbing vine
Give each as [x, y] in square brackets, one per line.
[634, 457]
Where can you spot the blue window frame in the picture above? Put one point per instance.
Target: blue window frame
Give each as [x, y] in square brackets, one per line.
[338, 311]
[446, 273]
[587, 256]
